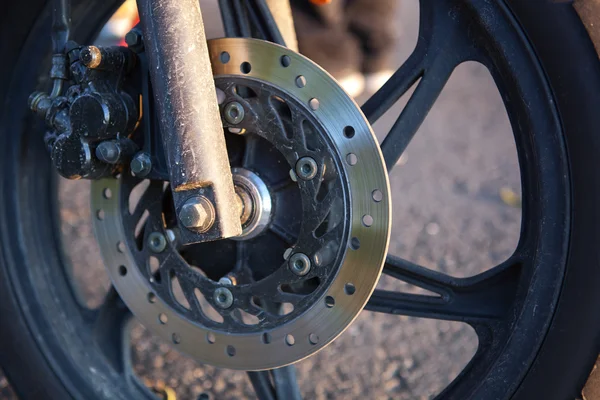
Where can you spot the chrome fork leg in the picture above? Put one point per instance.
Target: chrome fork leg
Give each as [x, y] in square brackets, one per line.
[190, 123]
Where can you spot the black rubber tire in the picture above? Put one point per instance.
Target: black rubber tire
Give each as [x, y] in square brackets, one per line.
[573, 340]
[571, 64]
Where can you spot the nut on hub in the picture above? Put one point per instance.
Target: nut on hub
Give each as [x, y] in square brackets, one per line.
[157, 242]
[299, 264]
[306, 168]
[234, 113]
[223, 297]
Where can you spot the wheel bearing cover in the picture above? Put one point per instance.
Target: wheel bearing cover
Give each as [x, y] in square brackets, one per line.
[367, 245]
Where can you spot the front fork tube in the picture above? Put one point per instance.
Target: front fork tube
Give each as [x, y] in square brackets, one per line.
[190, 123]
[282, 14]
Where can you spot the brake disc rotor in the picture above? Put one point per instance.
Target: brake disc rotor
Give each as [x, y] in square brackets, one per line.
[315, 239]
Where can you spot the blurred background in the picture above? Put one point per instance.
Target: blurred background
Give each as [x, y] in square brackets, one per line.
[456, 209]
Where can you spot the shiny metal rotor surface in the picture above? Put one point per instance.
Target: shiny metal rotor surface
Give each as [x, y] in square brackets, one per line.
[364, 251]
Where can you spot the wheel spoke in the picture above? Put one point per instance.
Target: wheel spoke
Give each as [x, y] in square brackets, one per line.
[432, 63]
[480, 299]
[110, 330]
[286, 383]
[261, 383]
[413, 115]
[397, 85]
[276, 384]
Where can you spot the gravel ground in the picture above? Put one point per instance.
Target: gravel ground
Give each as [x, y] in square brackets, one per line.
[448, 215]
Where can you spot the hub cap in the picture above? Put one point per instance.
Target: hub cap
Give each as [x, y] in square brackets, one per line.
[316, 207]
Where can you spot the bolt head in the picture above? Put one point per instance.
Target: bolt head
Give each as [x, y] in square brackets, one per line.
[109, 152]
[299, 264]
[223, 297]
[198, 214]
[133, 38]
[157, 242]
[141, 165]
[90, 56]
[234, 113]
[306, 168]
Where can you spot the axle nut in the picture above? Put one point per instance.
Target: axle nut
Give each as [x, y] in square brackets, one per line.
[197, 214]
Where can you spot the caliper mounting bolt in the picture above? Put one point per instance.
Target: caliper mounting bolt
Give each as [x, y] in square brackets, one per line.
[141, 165]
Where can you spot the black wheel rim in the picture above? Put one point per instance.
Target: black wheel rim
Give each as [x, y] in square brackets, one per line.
[501, 304]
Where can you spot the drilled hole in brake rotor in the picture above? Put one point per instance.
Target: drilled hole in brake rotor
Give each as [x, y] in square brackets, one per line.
[270, 147]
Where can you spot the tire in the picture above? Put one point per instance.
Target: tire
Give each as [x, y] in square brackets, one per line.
[32, 357]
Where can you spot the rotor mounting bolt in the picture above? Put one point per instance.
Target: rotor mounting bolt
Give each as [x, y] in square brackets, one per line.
[108, 152]
[223, 297]
[299, 264]
[157, 242]
[197, 214]
[141, 165]
[90, 56]
[306, 168]
[234, 113]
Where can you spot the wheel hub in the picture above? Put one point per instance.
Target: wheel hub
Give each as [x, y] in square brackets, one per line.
[307, 171]
[255, 201]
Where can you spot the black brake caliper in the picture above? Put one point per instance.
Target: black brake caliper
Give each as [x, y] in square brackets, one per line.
[91, 124]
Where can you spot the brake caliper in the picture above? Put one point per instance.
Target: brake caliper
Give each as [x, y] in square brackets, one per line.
[90, 125]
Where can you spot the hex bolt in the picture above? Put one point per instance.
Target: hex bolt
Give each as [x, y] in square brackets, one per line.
[157, 242]
[108, 152]
[141, 164]
[133, 38]
[90, 56]
[223, 297]
[306, 168]
[197, 214]
[299, 264]
[234, 113]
